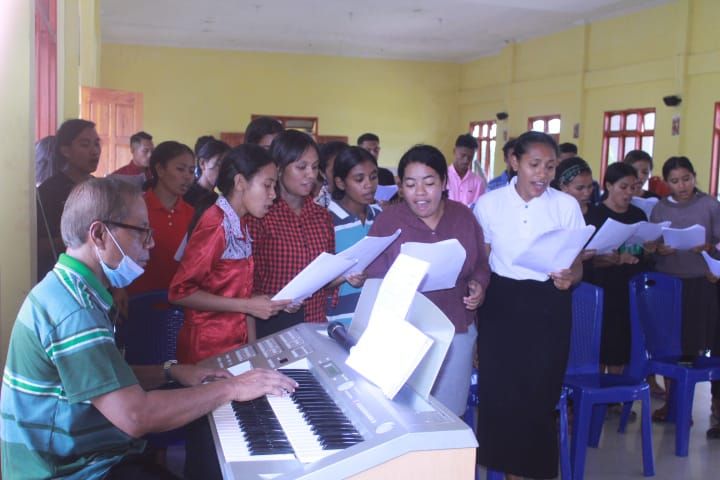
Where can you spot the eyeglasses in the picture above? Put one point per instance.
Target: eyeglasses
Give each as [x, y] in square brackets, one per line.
[146, 230]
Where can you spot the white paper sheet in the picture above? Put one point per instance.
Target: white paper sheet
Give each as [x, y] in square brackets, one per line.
[611, 236]
[713, 264]
[385, 192]
[446, 259]
[684, 238]
[647, 232]
[390, 348]
[555, 250]
[367, 250]
[325, 268]
[645, 204]
[397, 289]
[388, 353]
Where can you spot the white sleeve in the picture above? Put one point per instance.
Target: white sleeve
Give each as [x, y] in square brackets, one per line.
[482, 210]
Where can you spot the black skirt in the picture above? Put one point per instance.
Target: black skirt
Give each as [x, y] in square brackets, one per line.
[523, 345]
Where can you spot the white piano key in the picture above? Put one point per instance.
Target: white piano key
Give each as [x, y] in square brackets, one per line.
[232, 439]
[304, 442]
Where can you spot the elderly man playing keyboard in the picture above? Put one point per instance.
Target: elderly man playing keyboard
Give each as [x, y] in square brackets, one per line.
[71, 406]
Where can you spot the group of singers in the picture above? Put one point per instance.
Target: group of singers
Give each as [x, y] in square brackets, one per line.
[257, 214]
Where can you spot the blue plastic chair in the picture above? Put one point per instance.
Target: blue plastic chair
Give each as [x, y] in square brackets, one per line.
[656, 324]
[149, 337]
[592, 391]
[469, 417]
[149, 334]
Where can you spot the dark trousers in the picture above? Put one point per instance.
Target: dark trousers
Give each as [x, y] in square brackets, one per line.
[140, 467]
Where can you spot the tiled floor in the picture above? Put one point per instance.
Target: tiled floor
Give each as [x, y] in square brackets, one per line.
[619, 456]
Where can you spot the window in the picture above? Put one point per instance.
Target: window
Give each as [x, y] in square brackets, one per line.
[485, 132]
[304, 124]
[549, 124]
[45, 68]
[626, 130]
[715, 162]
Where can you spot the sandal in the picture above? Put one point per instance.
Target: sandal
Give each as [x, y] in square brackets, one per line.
[660, 415]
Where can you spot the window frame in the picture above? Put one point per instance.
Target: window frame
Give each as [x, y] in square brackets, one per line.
[622, 134]
[715, 159]
[489, 163]
[546, 119]
[45, 68]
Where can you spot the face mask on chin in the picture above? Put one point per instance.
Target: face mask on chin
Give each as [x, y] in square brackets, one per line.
[125, 273]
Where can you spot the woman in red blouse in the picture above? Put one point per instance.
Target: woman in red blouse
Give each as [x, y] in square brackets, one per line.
[172, 165]
[215, 277]
[293, 233]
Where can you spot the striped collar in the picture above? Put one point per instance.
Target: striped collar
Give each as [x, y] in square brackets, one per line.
[80, 281]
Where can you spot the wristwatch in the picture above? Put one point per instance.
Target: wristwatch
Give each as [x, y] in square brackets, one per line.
[166, 370]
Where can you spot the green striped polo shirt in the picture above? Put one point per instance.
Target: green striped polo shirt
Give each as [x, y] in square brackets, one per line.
[62, 354]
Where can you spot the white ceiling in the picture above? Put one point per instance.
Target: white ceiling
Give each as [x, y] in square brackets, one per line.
[436, 30]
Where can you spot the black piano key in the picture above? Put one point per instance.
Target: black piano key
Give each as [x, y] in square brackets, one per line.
[326, 420]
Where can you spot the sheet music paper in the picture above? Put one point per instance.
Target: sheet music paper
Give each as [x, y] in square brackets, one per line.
[555, 250]
[397, 289]
[713, 264]
[446, 259]
[645, 204]
[647, 232]
[390, 348]
[684, 238]
[611, 236]
[324, 269]
[388, 353]
[367, 250]
[385, 192]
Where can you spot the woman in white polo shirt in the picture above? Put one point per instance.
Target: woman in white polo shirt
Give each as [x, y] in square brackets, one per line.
[524, 324]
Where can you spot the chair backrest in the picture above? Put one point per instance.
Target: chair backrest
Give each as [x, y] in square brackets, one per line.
[150, 331]
[587, 312]
[655, 319]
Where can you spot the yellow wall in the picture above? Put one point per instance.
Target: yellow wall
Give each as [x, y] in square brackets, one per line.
[16, 136]
[188, 93]
[626, 62]
[79, 53]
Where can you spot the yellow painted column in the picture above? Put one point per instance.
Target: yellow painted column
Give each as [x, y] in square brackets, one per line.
[17, 207]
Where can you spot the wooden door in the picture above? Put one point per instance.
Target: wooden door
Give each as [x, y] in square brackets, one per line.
[117, 115]
[233, 138]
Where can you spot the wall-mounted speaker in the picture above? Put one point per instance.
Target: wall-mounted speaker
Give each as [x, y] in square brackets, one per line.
[502, 115]
[672, 100]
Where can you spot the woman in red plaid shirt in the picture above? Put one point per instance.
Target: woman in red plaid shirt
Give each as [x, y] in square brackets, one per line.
[293, 233]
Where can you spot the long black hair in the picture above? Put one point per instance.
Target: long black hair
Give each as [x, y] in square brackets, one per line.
[161, 155]
[246, 160]
[346, 160]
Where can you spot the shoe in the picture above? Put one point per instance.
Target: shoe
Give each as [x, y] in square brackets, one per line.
[713, 432]
[660, 415]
